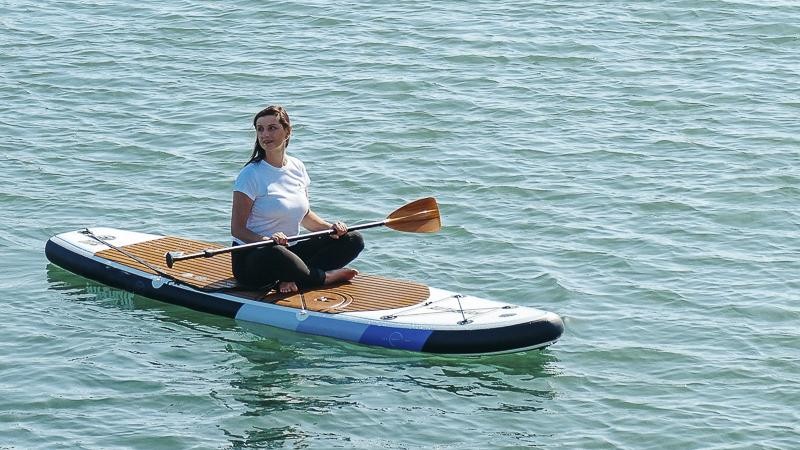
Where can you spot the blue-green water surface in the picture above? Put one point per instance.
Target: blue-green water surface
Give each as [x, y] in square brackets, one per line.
[632, 166]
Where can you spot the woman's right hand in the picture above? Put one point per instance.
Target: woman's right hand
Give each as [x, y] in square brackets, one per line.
[280, 238]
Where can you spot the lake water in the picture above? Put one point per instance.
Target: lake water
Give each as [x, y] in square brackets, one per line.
[631, 166]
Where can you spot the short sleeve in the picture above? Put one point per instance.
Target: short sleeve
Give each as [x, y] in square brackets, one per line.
[246, 182]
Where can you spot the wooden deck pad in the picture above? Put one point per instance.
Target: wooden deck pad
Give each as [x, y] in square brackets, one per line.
[363, 293]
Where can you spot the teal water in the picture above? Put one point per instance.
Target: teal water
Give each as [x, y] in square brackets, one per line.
[631, 166]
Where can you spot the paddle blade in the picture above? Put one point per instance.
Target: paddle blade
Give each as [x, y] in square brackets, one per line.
[420, 216]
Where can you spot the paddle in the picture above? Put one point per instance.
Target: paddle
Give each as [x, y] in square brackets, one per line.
[419, 216]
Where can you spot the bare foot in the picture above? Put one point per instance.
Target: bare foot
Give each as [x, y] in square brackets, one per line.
[287, 286]
[340, 275]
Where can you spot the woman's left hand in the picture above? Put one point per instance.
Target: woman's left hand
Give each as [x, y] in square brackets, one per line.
[339, 229]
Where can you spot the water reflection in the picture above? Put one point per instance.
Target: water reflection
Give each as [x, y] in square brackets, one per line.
[329, 382]
[291, 389]
[78, 288]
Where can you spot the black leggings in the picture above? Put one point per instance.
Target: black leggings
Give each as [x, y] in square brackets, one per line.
[305, 262]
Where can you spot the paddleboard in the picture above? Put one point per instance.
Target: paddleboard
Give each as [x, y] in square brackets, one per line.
[368, 309]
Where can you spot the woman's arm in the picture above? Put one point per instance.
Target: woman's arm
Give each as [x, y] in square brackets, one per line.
[240, 211]
[313, 222]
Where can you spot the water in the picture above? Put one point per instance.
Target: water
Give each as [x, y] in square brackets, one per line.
[632, 166]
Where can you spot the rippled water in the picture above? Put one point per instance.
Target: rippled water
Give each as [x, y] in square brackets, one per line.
[632, 166]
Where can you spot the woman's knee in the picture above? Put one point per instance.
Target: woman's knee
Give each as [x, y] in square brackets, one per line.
[355, 240]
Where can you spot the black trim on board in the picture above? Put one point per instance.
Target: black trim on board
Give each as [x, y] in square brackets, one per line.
[514, 337]
[111, 276]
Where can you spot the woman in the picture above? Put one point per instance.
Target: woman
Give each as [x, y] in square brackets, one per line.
[270, 201]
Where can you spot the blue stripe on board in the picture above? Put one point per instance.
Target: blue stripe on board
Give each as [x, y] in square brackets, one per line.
[391, 337]
[268, 316]
[311, 324]
[337, 328]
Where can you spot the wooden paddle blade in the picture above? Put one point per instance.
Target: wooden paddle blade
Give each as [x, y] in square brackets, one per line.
[420, 216]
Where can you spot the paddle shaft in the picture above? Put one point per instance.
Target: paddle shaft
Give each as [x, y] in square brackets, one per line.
[173, 257]
[419, 216]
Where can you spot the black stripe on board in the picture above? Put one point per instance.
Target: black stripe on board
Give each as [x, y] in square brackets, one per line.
[524, 335]
[100, 272]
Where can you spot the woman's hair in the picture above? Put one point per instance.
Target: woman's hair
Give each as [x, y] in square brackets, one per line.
[283, 118]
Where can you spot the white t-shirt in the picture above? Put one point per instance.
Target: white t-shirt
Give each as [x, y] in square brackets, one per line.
[280, 196]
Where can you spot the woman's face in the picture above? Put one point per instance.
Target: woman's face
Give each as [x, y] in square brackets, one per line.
[270, 133]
